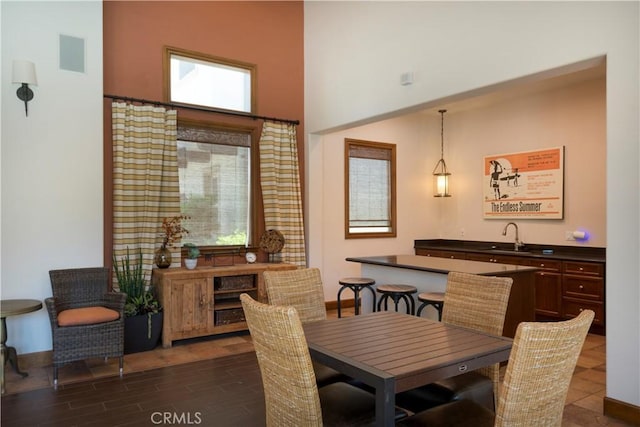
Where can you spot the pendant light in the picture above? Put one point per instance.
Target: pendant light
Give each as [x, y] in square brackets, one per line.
[440, 173]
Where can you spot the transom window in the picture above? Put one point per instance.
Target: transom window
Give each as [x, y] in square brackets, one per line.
[370, 189]
[209, 81]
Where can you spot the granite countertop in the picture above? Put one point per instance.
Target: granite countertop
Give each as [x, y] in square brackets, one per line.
[562, 253]
[442, 265]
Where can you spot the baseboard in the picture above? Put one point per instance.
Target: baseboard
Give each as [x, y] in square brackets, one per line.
[344, 303]
[622, 411]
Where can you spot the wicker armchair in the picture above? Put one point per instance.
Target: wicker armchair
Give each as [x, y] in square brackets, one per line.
[292, 397]
[476, 302]
[536, 382]
[302, 289]
[87, 320]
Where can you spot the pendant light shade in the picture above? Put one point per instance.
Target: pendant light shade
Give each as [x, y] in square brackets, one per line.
[441, 175]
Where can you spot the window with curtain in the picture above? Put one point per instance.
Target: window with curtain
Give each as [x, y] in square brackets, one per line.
[370, 193]
[217, 181]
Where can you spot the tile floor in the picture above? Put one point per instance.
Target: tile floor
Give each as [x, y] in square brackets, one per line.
[584, 403]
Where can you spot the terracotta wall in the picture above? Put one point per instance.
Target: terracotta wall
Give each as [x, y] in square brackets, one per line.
[268, 34]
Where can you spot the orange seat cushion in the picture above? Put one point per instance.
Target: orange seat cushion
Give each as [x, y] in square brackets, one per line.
[86, 316]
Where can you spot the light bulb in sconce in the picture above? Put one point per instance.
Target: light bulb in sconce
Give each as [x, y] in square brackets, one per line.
[441, 184]
[24, 73]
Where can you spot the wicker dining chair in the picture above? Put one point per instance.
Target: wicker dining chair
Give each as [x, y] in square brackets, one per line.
[476, 302]
[541, 363]
[87, 321]
[292, 397]
[302, 289]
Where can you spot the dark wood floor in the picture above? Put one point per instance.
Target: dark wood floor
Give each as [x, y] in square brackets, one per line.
[209, 382]
[219, 392]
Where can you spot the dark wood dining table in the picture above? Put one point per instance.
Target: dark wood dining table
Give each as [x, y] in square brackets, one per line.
[393, 352]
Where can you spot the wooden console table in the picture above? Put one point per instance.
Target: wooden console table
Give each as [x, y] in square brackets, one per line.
[206, 300]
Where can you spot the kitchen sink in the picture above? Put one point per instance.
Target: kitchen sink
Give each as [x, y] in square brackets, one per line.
[508, 251]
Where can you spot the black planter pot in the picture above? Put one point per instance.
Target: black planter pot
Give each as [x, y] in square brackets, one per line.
[136, 332]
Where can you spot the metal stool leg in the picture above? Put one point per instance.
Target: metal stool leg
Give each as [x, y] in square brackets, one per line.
[383, 298]
[395, 302]
[373, 294]
[422, 306]
[407, 302]
[339, 303]
[356, 295]
[435, 305]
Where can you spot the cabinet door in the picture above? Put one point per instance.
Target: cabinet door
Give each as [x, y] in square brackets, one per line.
[583, 287]
[497, 258]
[548, 287]
[481, 257]
[573, 307]
[584, 268]
[191, 304]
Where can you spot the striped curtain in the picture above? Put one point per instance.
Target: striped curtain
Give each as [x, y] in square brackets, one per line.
[145, 180]
[280, 181]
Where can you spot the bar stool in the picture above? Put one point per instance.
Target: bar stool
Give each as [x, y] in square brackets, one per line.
[356, 284]
[397, 293]
[435, 299]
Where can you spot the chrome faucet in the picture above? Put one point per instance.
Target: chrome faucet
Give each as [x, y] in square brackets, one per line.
[517, 244]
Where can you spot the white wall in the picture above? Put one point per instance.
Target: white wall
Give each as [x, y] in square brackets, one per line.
[413, 182]
[52, 206]
[356, 51]
[571, 116]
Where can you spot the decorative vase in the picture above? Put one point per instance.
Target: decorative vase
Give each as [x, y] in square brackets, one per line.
[191, 263]
[163, 257]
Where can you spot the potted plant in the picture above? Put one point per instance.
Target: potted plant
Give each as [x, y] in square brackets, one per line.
[192, 256]
[142, 310]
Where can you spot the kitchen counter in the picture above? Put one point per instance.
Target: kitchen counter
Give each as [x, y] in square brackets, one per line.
[429, 274]
[442, 265]
[568, 253]
[570, 278]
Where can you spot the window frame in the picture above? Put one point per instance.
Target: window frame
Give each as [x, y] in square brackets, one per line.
[255, 200]
[348, 144]
[216, 60]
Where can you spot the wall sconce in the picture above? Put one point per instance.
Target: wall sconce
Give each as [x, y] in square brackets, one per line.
[24, 73]
[440, 173]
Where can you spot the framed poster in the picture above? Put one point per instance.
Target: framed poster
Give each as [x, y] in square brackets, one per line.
[525, 185]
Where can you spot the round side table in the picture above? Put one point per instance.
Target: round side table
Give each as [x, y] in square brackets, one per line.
[12, 307]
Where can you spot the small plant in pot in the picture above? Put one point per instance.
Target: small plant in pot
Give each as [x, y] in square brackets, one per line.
[142, 310]
[192, 256]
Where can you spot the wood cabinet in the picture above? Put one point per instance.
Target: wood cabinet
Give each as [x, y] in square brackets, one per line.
[548, 284]
[563, 288]
[206, 301]
[582, 289]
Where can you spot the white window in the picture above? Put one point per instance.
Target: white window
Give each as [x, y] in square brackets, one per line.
[369, 189]
[208, 81]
